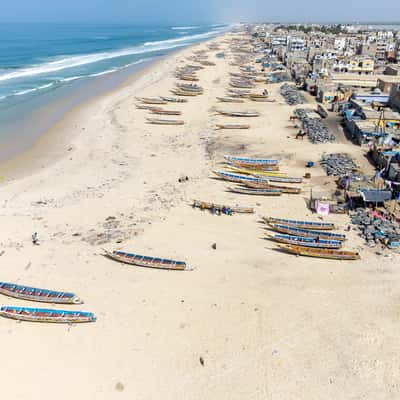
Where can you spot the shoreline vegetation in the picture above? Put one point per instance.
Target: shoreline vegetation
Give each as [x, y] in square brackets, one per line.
[103, 181]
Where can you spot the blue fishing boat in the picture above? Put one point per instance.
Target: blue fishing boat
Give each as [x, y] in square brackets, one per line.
[146, 261]
[306, 241]
[251, 161]
[46, 315]
[323, 226]
[290, 230]
[238, 178]
[36, 294]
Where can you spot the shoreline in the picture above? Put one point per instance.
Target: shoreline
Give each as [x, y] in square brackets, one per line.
[52, 145]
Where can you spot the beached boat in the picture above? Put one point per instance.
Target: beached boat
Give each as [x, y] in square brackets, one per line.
[256, 192]
[320, 253]
[147, 107]
[151, 100]
[322, 226]
[145, 261]
[306, 242]
[239, 113]
[239, 178]
[157, 121]
[229, 100]
[232, 126]
[190, 88]
[220, 207]
[290, 230]
[263, 99]
[36, 294]
[173, 99]
[46, 315]
[267, 185]
[188, 78]
[178, 92]
[251, 161]
[166, 112]
[256, 173]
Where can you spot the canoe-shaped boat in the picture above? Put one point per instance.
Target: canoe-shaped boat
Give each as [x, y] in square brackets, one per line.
[166, 112]
[178, 92]
[173, 99]
[322, 226]
[290, 230]
[267, 185]
[220, 207]
[187, 78]
[157, 121]
[230, 100]
[251, 161]
[147, 107]
[36, 294]
[238, 178]
[256, 192]
[257, 168]
[146, 261]
[320, 253]
[246, 114]
[189, 87]
[232, 126]
[252, 172]
[306, 242]
[262, 99]
[151, 100]
[46, 315]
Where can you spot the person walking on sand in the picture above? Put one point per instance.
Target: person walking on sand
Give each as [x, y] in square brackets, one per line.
[35, 239]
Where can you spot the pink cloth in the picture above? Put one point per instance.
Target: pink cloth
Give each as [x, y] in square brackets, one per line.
[322, 208]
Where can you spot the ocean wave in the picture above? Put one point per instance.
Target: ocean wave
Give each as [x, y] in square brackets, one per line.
[80, 60]
[179, 28]
[26, 91]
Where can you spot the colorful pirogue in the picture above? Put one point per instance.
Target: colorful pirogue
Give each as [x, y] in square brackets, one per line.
[320, 253]
[46, 315]
[256, 192]
[253, 162]
[267, 185]
[220, 207]
[255, 173]
[290, 230]
[145, 261]
[35, 294]
[306, 242]
[324, 226]
[238, 178]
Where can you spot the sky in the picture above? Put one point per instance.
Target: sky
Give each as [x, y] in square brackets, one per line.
[199, 11]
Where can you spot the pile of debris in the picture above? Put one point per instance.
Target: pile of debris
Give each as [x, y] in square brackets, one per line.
[292, 96]
[338, 164]
[317, 132]
[376, 229]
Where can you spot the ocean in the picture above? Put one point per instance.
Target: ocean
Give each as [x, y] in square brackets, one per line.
[40, 64]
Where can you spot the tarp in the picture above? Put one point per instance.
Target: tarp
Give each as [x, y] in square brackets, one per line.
[375, 196]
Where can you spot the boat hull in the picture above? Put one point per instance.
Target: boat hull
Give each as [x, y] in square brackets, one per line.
[320, 253]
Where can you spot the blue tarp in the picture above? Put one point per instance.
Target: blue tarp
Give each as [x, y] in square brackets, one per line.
[375, 196]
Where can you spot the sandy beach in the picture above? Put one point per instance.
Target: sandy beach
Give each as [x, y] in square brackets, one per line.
[249, 322]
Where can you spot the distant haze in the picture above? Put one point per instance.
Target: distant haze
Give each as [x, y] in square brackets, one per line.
[198, 11]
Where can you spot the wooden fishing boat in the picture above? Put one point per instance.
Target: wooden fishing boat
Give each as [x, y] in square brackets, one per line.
[151, 100]
[306, 242]
[256, 173]
[251, 161]
[320, 253]
[46, 315]
[229, 100]
[36, 294]
[256, 192]
[322, 226]
[157, 121]
[187, 78]
[232, 126]
[207, 63]
[190, 88]
[166, 112]
[179, 92]
[262, 100]
[147, 107]
[290, 230]
[239, 113]
[146, 261]
[267, 185]
[240, 178]
[173, 99]
[220, 207]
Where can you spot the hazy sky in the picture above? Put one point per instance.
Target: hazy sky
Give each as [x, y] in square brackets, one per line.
[195, 11]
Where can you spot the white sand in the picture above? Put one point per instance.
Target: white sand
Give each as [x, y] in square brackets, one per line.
[267, 325]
